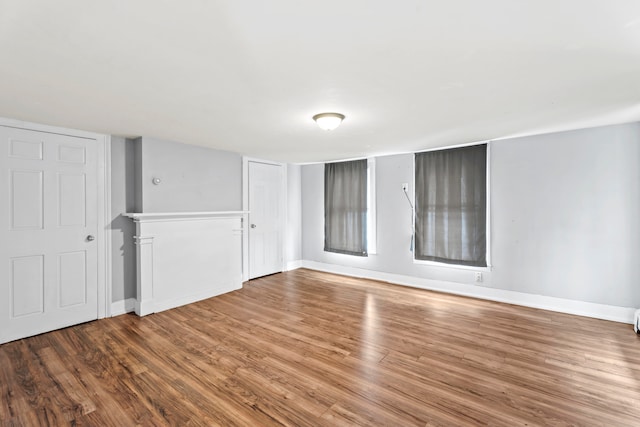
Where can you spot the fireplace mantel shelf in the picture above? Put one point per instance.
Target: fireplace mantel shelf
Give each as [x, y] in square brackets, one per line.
[183, 215]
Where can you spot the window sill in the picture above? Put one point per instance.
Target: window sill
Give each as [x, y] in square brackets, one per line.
[452, 266]
[346, 255]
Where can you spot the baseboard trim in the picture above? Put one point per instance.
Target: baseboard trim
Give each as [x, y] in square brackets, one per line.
[293, 265]
[580, 308]
[123, 306]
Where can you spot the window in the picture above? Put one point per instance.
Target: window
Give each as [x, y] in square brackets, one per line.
[451, 206]
[345, 207]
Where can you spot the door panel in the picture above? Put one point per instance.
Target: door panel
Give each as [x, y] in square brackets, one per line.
[27, 285]
[48, 267]
[72, 268]
[26, 199]
[265, 219]
[72, 199]
[25, 149]
[71, 154]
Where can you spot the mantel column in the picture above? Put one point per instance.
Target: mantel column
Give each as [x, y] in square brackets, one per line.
[144, 252]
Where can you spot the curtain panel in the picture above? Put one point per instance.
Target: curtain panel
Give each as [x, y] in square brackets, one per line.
[451, 206]
[345, 207]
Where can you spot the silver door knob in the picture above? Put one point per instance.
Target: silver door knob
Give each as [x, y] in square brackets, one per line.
[90, 238]
[253, 226]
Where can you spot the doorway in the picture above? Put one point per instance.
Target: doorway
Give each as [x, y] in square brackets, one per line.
[51, 229]
[264, 201]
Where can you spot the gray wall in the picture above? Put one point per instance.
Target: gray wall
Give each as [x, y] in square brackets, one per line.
[564, 211]
[193, 179]
[123, 200]
[293, 235]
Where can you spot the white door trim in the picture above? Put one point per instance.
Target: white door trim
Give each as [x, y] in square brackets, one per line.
[245, 207]
[104, 202]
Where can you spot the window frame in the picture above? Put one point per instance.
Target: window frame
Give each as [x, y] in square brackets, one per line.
[372, 218]
[489, 265]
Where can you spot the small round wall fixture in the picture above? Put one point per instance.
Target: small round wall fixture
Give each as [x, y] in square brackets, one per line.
[156, 181]
[328, 121]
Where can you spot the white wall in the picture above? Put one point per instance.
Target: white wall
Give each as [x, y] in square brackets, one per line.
[564, 212]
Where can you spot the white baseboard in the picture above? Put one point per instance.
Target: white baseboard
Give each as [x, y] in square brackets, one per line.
[293, 265]
[123, 306]
[580, 308]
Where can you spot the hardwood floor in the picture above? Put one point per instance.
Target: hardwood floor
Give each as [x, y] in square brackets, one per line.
[306, 348]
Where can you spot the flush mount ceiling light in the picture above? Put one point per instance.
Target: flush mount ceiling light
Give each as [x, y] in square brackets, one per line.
[328, 121]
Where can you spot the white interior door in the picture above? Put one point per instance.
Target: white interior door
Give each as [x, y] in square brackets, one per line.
[265, 218]
[48, 220]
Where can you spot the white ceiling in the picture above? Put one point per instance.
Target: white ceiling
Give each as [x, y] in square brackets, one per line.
[247, 76]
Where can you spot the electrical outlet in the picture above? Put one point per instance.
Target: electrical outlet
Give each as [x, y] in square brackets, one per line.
[478, 277]
[405, 187]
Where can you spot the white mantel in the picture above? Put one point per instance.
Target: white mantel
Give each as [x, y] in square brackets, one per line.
[168, 216]
[183, 257]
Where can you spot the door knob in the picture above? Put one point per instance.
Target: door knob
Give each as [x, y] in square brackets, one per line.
[90, 238]
[253, 226]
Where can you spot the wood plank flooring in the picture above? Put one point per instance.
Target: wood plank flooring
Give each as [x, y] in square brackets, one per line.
[305, 348]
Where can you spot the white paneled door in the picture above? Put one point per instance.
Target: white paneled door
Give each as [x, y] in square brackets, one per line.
[48, 224]
[265, 218]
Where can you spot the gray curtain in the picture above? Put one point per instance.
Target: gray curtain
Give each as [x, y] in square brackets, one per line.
[451, 204]
[345, 207]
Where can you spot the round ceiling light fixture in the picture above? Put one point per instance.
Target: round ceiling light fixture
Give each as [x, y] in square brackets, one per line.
[328, 121]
